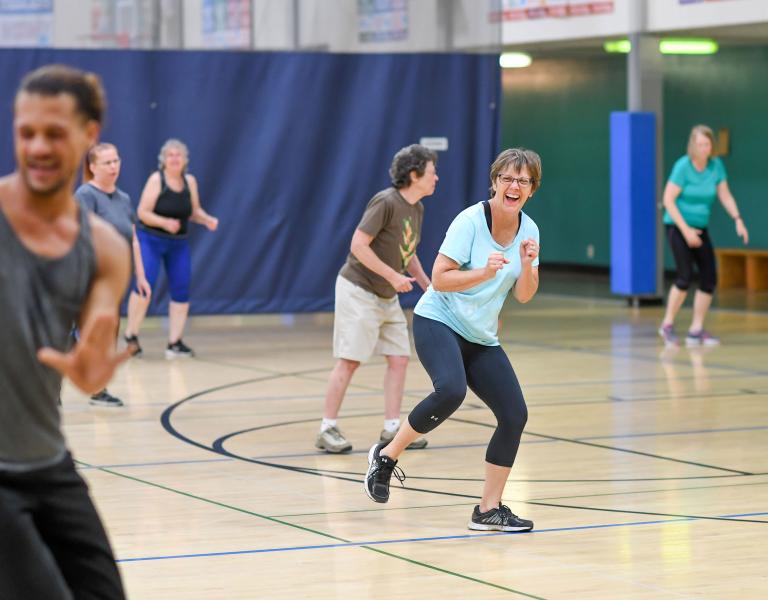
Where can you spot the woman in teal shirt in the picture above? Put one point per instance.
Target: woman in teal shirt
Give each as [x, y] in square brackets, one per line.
[490, 250]
[696, 180]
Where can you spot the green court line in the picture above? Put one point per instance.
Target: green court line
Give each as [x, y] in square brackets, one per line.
[434, 568]
[369, 510]
[308, 530]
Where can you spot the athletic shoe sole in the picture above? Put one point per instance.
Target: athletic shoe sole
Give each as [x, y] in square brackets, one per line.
[106, 404]
[483, 527]
[698, 343]
[171, 355]
[341, 450]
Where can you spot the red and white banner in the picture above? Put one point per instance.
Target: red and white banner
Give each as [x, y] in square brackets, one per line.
[518, 10]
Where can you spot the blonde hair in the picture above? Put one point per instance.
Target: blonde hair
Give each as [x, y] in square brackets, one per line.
[172, 143]
[90, 158]
[701, 130]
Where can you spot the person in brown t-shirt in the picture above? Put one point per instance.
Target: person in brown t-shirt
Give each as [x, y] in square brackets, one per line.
[368, 318]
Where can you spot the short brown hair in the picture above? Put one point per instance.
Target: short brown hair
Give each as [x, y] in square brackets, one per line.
[84, 87]
[518, 158]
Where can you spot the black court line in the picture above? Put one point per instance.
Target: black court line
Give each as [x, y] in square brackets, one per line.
[534, 404]
[614, 448]
[640, 512]
[218, 445]
[624, 356]
[219, 449]
[656, 491]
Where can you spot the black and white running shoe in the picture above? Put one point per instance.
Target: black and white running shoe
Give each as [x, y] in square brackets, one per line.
[380, 470]
[498, 519]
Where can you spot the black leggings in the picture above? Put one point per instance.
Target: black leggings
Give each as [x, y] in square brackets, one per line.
[453, 363]
[52, 543]
[685, 257]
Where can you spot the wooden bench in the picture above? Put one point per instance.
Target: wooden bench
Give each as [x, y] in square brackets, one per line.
[742, 267]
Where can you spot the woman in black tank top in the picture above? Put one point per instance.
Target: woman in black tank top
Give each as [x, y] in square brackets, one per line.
[169, 201]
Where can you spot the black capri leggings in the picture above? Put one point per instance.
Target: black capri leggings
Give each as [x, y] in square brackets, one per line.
[453, 363]
[685, 257]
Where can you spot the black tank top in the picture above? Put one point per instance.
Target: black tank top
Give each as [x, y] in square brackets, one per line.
[173, 205]
[40, 299]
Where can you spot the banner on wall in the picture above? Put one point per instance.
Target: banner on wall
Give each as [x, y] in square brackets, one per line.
[227, 23]
[26, 23]
[382, 20]
[518, 10]
[121, 23]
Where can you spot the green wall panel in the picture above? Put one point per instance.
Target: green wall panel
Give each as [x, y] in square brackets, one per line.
[560, 107]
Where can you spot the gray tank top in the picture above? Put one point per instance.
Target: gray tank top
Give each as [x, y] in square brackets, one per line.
[40, 300]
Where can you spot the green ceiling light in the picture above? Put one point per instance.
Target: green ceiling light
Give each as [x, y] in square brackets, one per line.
[618, 46]
[687, 46]
[514, 60]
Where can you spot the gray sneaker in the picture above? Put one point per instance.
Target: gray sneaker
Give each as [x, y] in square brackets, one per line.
[333, 441]
[417, 444]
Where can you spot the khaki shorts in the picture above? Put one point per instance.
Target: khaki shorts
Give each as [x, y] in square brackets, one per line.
[365, 324]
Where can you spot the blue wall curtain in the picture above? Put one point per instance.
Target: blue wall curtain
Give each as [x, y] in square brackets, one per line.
[287, 148]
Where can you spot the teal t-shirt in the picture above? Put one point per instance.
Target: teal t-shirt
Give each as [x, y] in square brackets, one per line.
[474, 313]
[698, 190]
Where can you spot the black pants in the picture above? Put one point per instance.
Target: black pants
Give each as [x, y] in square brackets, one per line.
[685, 257]
[453, 363]
[52, 543]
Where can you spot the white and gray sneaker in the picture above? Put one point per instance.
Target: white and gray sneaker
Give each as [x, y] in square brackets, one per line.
[417, 444]
[333, 441]
[498, 519]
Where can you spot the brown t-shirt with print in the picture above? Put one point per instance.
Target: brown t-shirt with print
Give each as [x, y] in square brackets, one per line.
[396, 229]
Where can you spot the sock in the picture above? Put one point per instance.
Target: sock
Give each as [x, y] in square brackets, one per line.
[391, 425]
[327, 424]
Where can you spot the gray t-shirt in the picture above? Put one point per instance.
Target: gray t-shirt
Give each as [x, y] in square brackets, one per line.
[115, 208]
[395, 226]
[40, 299]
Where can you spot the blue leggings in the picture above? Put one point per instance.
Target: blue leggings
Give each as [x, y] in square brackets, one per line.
[453, 363]
[174, 254]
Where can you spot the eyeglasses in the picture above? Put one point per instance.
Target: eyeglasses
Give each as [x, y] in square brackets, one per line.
[114, 161]
[521, 181]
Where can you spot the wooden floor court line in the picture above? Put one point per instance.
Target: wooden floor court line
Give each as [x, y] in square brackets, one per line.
[342, 542]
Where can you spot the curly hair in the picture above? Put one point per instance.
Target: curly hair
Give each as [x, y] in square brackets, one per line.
[411, 158]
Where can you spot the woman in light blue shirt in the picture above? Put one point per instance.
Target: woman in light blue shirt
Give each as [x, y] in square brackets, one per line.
[490, 249]
[696, 180]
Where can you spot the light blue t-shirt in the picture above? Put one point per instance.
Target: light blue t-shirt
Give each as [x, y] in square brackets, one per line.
[474, 313]
[698, 190]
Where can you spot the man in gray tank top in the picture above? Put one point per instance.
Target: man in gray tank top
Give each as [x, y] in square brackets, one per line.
[59, 265]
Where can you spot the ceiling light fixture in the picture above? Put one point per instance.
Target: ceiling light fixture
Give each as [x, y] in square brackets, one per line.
[515, 60]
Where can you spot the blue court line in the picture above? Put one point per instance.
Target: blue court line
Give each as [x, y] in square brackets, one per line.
[424, 539]
[431, 448]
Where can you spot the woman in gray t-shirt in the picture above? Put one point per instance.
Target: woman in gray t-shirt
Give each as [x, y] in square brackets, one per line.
[100, 194]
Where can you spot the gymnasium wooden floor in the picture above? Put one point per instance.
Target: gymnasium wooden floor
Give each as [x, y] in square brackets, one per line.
[645, 469]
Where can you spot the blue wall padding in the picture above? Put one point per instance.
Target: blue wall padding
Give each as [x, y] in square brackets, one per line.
[288, 148]
[633, 203]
